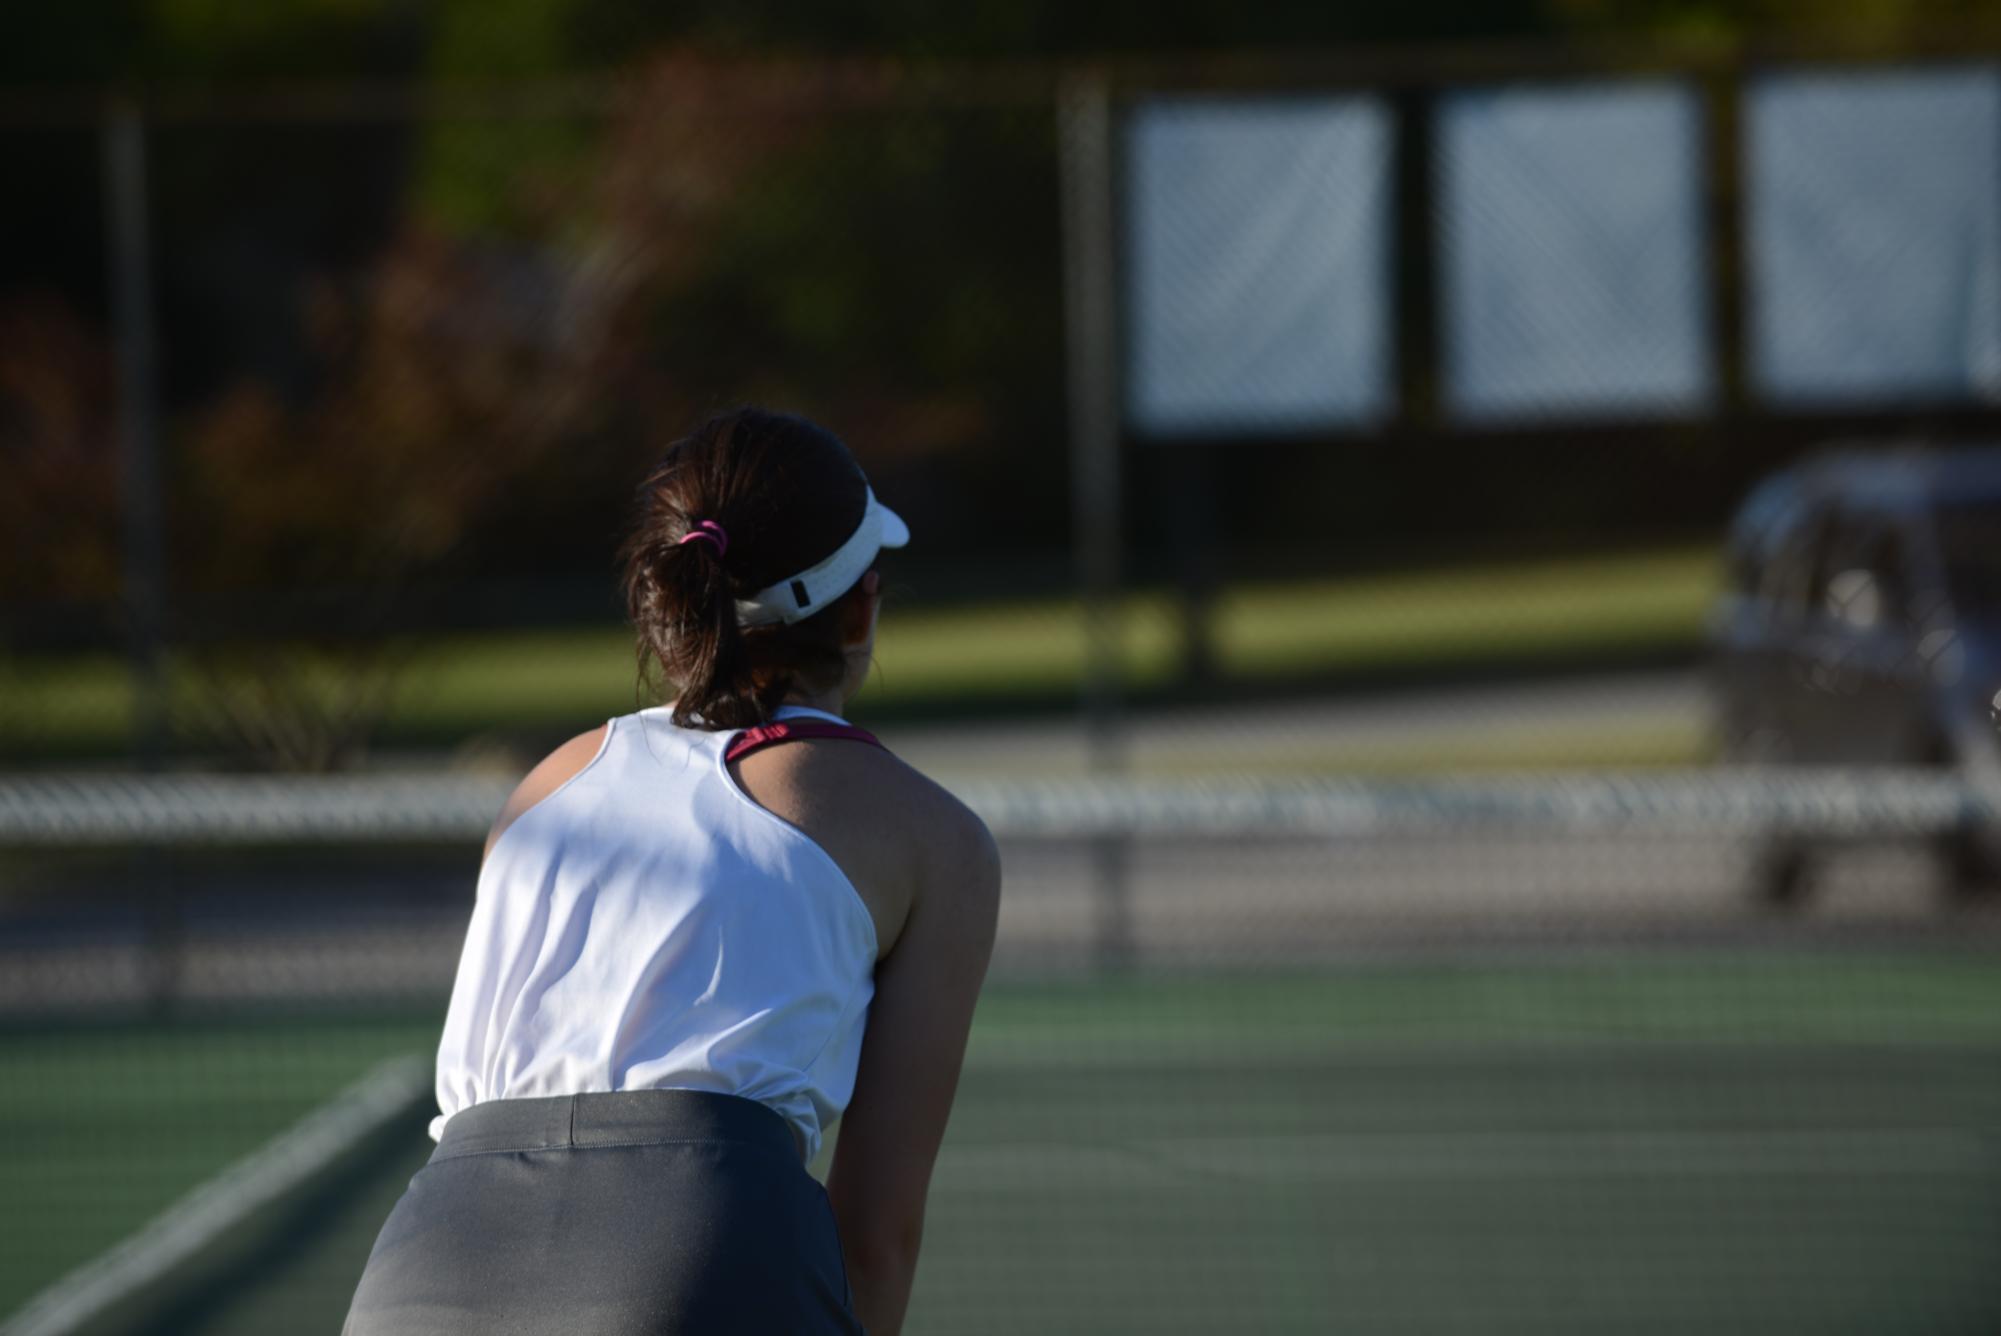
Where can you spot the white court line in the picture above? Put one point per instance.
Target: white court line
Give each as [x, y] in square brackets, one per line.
[1363, 1157]
[211, 1209]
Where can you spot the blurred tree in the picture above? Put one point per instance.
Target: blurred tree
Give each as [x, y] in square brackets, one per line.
[893, 272]
[316, 535]
[402, 349]
[1862, 22]
[550, 36]
[454, 375]
[48, 235]
[59, 505]
[59, 521]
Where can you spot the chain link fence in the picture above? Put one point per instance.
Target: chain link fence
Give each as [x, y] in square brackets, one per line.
[1319, 477]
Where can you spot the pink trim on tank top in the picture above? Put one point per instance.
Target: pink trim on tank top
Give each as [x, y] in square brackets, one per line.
[765, 735]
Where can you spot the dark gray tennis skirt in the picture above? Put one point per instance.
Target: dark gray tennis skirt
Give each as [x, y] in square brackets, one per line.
[645, 1211]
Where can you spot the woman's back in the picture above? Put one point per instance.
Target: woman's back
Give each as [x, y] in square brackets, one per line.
[684, 962]
[647, 925]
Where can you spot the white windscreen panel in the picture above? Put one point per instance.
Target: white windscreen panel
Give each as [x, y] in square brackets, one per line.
[1874, 237]
[1258, 265]
[1571, 258]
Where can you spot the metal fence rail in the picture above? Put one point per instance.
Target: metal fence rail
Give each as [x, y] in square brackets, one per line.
[44, 811]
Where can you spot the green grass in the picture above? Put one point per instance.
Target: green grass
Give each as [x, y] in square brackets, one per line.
[460, 687]
[1726, 1141]
[1514, 610]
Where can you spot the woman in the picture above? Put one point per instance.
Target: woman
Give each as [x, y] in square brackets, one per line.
[702, 932]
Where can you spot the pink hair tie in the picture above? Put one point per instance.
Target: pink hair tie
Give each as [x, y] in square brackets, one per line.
[709, 531]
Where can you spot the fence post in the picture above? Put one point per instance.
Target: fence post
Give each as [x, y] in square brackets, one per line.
[131, 283]
[1084, 148]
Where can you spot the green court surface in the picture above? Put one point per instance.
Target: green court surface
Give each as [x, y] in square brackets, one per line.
[1671, 1141]
[106, 1125]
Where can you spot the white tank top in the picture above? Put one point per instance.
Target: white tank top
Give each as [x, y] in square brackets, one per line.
[647, 926]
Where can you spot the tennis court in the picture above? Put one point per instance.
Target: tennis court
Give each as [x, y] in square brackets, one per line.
[1664, 1140]
[1333, 445]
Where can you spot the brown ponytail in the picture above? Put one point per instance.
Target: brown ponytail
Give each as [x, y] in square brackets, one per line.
[765, 495]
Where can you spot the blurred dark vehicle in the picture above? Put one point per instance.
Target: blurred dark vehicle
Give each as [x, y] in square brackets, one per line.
[1861, 626]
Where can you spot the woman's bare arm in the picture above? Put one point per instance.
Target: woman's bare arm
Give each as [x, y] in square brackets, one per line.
[911, 1054]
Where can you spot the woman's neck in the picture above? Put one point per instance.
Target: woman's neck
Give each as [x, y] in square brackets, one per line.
[828, 702]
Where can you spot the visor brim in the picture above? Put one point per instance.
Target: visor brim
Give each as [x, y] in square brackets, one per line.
[894, 532]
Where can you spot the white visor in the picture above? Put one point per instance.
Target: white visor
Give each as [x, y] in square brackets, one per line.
[798, 597]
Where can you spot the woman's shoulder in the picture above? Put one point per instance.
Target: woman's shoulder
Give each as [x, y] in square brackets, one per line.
[898, 835]
[876, 787]
[954, 831]
[952, 854]
[555, 770]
